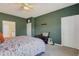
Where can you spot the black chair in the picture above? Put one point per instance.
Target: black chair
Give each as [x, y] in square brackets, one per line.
[44, 36]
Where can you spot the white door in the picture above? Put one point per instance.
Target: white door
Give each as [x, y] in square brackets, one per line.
[68, 31]
[29, 33]
[77, 31]
[9, 29]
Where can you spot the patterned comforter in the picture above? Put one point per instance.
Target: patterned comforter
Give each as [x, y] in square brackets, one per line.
[22, 46]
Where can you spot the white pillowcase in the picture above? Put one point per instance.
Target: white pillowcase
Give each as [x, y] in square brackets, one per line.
[45, 34]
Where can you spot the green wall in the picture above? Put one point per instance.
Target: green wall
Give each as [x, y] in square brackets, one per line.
[20, 23]
[53, 21]
[33, 26]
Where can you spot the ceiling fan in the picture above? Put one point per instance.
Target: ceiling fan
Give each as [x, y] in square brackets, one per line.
[26, 6]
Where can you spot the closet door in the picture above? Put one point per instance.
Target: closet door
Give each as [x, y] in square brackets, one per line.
[77, 17]
[68, 31]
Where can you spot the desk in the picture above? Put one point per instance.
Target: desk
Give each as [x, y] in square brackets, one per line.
[44, 38]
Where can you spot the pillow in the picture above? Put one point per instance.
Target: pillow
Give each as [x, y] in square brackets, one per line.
[45, 34]
[1, 38]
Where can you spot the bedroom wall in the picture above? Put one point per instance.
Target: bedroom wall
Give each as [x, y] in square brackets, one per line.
[20, 23]
[53, 21]
[33, 26]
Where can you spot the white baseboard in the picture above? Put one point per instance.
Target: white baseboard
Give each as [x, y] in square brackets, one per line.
[57, 44]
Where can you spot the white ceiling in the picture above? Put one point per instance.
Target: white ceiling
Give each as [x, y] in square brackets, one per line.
[38, 9]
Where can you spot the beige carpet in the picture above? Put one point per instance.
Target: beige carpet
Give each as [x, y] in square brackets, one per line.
[54, 50]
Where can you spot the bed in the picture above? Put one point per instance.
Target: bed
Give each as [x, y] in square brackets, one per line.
[22, 46]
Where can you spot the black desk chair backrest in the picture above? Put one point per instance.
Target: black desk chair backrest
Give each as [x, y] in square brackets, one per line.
[46, 34]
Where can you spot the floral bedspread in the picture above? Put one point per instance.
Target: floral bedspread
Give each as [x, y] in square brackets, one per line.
[22, 46]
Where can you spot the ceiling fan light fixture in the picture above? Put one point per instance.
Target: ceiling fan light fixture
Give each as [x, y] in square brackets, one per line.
[27, 6]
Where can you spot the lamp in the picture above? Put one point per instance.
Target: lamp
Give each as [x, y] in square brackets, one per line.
[28, 20]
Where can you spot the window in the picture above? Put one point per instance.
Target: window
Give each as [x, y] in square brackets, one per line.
[9, 29]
